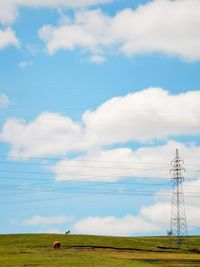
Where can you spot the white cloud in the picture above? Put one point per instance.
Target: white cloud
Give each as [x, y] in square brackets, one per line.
[4, 101]
[41, 220]
[8, 11]
[9, 8]
[25, 64]
[48, 134]
[7, 38]
[89, 31]
[124, 226]
[60, 3]
[160, 212]
[120, 163]
[169, 27]
[193, 216]
[145, 116]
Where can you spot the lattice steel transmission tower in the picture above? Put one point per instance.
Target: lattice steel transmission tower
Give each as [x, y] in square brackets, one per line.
[178, 224]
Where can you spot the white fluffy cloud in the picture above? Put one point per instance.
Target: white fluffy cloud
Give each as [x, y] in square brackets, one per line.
[41, 220]
[170, 27]
[151, 114]
[8, 11]
[59, 3]
[160, 211]
[119, 163]
[49, 134]
[4, 101]
[146, 115]
[110, 225]
[7, 38]
[88, 32]
[9, 8]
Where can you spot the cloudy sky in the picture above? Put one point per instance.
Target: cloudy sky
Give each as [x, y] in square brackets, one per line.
[95, 97]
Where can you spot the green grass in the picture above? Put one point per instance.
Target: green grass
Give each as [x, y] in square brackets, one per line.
[95, 251]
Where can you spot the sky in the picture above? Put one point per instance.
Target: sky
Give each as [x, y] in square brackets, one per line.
[95, 98]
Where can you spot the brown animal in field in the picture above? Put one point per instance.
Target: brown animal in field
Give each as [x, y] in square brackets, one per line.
[56, 244]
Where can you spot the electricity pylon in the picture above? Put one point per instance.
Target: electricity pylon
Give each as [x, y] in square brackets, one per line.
[178, 224]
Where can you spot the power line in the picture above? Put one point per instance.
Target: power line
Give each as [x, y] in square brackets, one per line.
[82, 160]
[70, 164]
[114, 193]
[109, 175]
[65, 176]
[137, 181]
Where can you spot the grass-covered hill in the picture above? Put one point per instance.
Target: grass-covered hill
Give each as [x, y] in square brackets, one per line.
[96, 251]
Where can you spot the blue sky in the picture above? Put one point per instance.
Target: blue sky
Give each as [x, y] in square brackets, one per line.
[95, 97]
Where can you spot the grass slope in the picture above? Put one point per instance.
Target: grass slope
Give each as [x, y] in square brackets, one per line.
[96, 251]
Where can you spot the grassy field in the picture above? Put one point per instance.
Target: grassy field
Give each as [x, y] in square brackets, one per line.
[96, 251]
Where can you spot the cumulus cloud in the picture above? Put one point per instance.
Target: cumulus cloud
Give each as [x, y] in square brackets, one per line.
[145, 116]
[60, 3]
[160, 211]
[88, 32]
[9, 8]
[124, 226]
[8, 11]
[48, 134]
[4, 101]
[7, 38]
[41, 220]
[169, 27]
[120, 163]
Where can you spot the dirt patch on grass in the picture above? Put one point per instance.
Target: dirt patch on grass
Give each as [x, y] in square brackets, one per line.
[160, 255]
